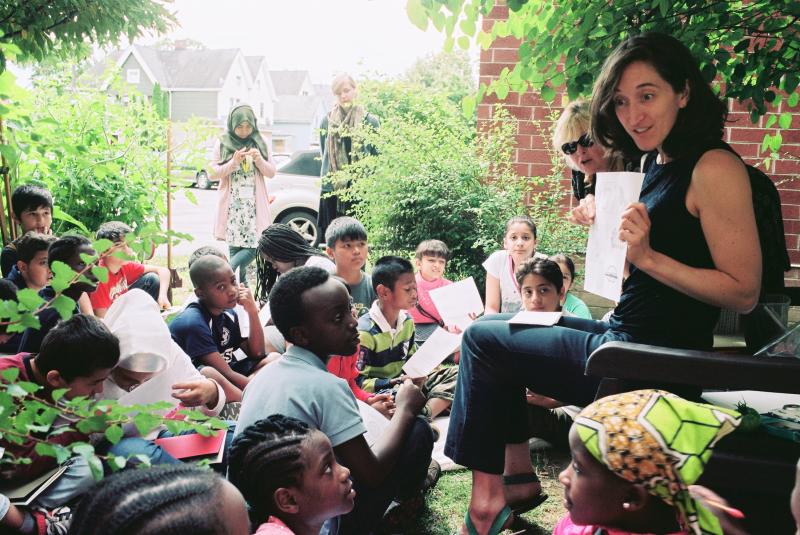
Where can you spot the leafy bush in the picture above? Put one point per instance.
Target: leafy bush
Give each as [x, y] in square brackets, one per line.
[102, 156]
[435, 177]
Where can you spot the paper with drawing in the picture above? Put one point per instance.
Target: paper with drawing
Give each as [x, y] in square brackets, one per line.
[605, 252]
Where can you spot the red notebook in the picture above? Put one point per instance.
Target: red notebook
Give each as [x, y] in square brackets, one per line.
[194, 446]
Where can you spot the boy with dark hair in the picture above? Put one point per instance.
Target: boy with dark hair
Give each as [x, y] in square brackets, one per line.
[346, 240]
[67, 249]
[126, 274]
[430, 259]
[78, 354]
[208, 330]
[33, 210]
[387, 337]
[32, 270]
[313, 311]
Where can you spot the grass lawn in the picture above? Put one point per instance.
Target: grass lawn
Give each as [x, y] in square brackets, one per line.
[446, 504]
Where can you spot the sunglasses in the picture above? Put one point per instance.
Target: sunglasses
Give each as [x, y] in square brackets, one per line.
[572, 146]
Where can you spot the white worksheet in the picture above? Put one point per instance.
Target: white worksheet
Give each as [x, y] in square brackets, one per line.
[605, 252]
[525, 317]
[456, 301]
[436, 348]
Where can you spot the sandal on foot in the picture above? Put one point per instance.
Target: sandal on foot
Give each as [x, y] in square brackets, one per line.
[528, 504]
[497, 526]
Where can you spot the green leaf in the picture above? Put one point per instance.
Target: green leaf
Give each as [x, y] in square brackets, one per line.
[29, 299]
[785, 121]
[96, 467]
[117, 463]
[145, 422]
[64, 305]
[468, 104]
[114, 434]
[101, 273]
[61, 215]
[102, 245]
[548, 93]
[58, 393]
[10, 375]
[777, 141]
[10, 154]
[62, 276]
[771, 121]
[417, 15]
[766, 142]
[793, 99]
[43, 448]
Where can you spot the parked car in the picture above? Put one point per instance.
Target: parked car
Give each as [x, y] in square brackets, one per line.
[294, 194]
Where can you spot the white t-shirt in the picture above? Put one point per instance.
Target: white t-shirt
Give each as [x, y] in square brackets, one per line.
[499, 266]
[321, 262]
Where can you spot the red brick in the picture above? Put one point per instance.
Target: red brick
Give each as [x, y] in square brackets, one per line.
[506, 42]
[504, 55]
[791, 226]
[746, 150]
[794, 256]
[531, 98]
[533, 156]
[492, 69]
[540, 142]
[751, 135]
[522, 169]
[486, 56]
[787, 167]
[523, 141]
[498, 12]
[789, 196]
[520, 112]
[484, 112]
[790, 136]
[790, 211]
[740, 119]
[541, 113]
[541, 169]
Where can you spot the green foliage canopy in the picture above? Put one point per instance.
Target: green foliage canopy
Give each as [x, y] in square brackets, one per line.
[751, 49]
[67, 28]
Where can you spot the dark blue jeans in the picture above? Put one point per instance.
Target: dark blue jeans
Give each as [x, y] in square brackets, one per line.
[404, 481]
[149, 283]
[498, 361]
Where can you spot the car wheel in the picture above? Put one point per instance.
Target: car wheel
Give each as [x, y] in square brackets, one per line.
[304, 223]
[202, 180]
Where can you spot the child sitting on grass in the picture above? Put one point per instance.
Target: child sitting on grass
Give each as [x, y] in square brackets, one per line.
[32, 270]
[162, 500]
[314, 313]
[208, 330]
[346, 240]
[625, 476]
[431, 260]
[387, 337]
[541, 285]
[126, 274]
[289, 475]
[570, 303]
[33, 211]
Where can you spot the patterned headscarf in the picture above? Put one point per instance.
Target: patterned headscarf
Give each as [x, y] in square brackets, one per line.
[658, 440]
[230, 142]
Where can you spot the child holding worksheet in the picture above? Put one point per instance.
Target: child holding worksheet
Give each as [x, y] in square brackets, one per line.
[431, 260]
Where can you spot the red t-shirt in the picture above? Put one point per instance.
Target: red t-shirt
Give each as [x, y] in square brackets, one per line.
[116, 285]
[344, 367]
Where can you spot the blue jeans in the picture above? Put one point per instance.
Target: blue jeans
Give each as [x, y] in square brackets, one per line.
[498, 361]
[150, 283]
[404, 481]
[241, 257]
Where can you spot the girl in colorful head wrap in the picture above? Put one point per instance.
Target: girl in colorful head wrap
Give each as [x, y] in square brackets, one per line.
[241, 162]
[633, 457]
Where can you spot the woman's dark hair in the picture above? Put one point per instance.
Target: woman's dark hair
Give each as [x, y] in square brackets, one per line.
[561, 258]
[540, 266]
[162, 500]
[701, 121]
[282, 243]
[267, 456]
[521, 219]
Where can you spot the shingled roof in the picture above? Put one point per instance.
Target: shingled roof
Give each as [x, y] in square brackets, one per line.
[287, 82]
[187, 69]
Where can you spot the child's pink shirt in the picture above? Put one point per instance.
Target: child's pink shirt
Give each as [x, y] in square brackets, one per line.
[424, 299]
[274, 526]
[566, 527]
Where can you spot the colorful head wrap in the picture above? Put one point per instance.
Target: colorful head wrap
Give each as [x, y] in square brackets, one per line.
[658, 440]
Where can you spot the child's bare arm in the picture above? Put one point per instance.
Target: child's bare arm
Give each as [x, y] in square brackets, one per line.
[163, 280]
[254, 346]
[492, 294]
[373, 467]
[216, 361]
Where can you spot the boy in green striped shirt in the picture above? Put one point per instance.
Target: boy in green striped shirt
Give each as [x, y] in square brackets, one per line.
[387, 338]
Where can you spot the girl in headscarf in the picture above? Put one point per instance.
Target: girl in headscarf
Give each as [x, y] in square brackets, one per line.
[241, 162]
[634, 456]
[337, 145]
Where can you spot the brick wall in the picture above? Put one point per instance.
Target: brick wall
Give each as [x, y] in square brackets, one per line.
[533, 116]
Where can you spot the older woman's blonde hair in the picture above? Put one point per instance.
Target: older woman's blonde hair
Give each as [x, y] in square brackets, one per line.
[575, 121]
[339, 81]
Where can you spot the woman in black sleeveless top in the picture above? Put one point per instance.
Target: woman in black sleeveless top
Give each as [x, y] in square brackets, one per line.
[692, 248]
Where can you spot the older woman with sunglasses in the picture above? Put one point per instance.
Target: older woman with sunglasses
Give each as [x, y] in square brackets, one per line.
[571, 137]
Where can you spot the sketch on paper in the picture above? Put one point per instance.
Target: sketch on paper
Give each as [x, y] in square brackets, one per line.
[605, 252]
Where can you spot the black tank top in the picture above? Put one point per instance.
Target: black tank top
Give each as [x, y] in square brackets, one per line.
[649, 311]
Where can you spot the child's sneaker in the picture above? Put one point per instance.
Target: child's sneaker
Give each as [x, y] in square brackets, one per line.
[55, 522]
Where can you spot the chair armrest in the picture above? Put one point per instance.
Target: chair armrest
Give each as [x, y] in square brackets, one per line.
[641, 362]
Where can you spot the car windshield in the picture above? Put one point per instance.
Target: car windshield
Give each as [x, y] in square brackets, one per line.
[306, 163]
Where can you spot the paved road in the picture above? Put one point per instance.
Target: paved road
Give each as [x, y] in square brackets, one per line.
[195, 219]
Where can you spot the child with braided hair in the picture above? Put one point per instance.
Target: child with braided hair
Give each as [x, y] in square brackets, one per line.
[289, 476]
[160, 501]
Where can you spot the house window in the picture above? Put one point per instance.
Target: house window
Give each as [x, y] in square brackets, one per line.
[238, 81]
[132, 76]
[261, 109]
[258, 84]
